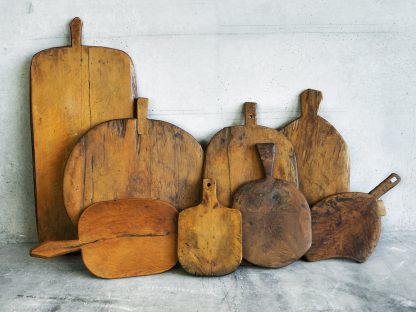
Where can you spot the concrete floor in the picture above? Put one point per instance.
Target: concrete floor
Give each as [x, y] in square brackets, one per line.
[386, 282]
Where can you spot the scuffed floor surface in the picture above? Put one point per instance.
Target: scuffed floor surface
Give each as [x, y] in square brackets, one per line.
[386, 282]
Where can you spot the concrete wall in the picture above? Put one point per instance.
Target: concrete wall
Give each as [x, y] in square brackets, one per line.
[198, 61]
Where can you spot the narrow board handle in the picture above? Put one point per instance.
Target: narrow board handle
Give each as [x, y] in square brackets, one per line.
[209, 193]
[267, 152]
[76, 31]
[386, 185]
[309, 101]
[250, 118]
[142, 107]
[51, 249]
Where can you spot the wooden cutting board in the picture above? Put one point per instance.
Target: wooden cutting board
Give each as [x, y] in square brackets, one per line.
[321, 152]
[72, 89]
[209, 242]
[232, 160]
[122, 238]
[133, 158]
[276, 217]
[348, 225]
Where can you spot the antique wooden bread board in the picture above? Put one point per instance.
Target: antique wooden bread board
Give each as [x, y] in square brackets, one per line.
[122, 238]
[72, 89]
[232, 159]
[276, 217]
[348, 225]
[209, 238]
[133, 158]
[321, 152]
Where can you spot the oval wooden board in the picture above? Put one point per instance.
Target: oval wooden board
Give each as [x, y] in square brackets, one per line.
[123, 238]
[276, 217]
[209, 239]
[131, 158]
[232, 159]
[321, 152]
[348, 225]
[72, 89]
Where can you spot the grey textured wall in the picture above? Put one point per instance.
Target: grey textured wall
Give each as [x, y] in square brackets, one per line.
[198, 61]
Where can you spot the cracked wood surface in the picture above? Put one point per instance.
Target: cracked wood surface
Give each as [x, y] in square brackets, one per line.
[348, 225]
[276, 217]
[133, 158]
[209, 239]
[72, 89]
[122, 238]
[321, 152]
[232, 160]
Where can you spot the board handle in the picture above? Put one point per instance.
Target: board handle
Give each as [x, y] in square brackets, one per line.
[142, 105]
[76, 30]
[51, 249]
[385, 186]
[309, 101]
[209, 193]
[250, 118]
[267, 152]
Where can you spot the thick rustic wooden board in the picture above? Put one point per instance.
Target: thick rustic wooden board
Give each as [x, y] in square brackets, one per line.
[276, 217]
[72, 89]
[232, 159]
[209, 239]
[321, 152]
[122, 238]
[348, 225]
[133, 158]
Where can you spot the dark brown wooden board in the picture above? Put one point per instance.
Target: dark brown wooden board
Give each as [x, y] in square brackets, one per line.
[232, 160]
[133, 158]
[209, 239]
[72, 89]
[321, 152]
[276, 217]
[122, 238]
[348, 225]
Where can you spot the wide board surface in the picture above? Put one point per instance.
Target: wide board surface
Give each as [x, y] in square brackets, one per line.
[232, 160]
[133, 158]
[348, 225]
[276, 217]
[72, 89]
[209, 239]
[122, 238]
[321, 152]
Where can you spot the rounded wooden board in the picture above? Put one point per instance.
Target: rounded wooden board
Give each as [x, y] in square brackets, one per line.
[209, 239]
[129, 237]
[345, 225]
[232, 159]
[112, 161]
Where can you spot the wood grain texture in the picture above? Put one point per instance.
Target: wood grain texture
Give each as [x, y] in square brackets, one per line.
[209, 242]
[133, 158]
[72, 89]
[321, 152]
[348, 225]
[232, 160]
[276, 217]
[123, 238]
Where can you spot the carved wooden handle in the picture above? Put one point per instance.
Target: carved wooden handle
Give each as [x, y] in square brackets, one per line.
[386, 185]
[209, 192]
[51, 249]
[250, 114]
[309, 101]
[76, 30]
[267, 153]
[142, 107]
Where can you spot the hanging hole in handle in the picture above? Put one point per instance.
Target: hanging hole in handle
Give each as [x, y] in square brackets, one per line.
[209, 184]
[251, 116]
[393, 179]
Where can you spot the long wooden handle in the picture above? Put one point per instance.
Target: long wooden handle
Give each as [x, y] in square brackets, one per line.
[142, 107]
[385, 186]
[76, 31]
[250, 114]
[209, 193]
[309, 101]
[51, 249]
[267, 153]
